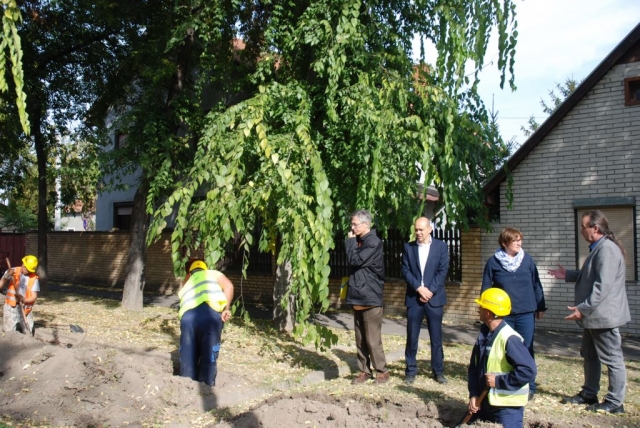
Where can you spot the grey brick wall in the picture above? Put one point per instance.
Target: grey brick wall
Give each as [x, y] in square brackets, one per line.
[594, 151]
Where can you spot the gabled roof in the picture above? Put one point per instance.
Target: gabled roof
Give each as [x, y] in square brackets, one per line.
[621, 52]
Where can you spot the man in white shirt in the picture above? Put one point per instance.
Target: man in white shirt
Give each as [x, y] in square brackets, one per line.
[425, 263]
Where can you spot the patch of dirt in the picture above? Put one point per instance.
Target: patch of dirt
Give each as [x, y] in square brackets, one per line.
[326, 411]
[317, 410]
[61, 378]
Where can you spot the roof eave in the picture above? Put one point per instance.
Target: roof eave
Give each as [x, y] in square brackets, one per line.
[598, 73]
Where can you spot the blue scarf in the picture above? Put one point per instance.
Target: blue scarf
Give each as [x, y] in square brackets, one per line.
[510, 264]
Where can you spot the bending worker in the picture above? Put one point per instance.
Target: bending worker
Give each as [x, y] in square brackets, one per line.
[23, 287]
[204, 307]
[501, 363]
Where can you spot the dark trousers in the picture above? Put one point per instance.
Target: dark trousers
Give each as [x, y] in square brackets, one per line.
[200, 331]
[367, 325]
[525, 325]
[415, 315]
[510, 417]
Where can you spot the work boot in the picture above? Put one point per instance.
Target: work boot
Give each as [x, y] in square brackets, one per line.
[362, 378]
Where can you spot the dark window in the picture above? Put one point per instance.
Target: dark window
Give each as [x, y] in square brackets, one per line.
[122, 213]
[121, 140]
[621, 222]
[632, 91]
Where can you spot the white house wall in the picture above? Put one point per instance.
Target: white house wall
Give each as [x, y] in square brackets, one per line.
[593, 152]
[106, 200]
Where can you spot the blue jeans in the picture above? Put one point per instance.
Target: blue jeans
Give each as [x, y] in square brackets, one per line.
[525, 325]
[200, 331]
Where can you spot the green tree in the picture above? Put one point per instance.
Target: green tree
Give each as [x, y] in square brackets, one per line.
[564, 90]
[330, 115]
[160, 111]
[69, 47]
[79, 172]
[10, 41]
[17, 217]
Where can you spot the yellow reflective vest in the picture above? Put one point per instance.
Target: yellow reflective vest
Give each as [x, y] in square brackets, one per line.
[202, 287]
[497, 364]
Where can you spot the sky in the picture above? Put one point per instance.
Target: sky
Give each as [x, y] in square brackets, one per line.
[557, 39]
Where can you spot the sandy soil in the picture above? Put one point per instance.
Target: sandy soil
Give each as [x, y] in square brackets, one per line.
[323, 411]
[62, 378]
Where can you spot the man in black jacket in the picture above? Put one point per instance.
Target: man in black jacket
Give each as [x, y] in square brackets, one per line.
[366, 284]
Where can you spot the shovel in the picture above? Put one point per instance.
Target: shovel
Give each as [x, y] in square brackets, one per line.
[469, 415]
[72, 327]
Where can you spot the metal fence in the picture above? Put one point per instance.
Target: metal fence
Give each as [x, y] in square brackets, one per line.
[393, 246]
[232, 260]
[13, 247]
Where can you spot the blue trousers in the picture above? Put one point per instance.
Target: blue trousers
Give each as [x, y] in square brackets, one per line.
[510, 417]
[415, 315]
[525, 325]
[200, 331]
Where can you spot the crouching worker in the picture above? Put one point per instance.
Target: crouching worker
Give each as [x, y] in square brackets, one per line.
[204, 307]
[501, 363]
[23, 286]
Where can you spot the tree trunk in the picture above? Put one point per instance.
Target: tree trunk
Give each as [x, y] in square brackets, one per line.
[136, 258]
[43, 226]
[283, 317]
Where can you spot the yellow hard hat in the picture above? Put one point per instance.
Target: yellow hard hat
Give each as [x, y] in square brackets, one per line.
[495, 300]
[198, 264]
[30, 262]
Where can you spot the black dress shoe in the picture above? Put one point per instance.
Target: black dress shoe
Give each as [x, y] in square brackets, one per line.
[440, 378]
[409, 379]
[607, 407]
[579, 399]
[531, 395]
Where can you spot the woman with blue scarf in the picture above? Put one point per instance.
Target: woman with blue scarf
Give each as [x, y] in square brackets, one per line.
[514, 271]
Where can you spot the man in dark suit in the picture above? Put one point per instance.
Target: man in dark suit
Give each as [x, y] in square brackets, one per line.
[600, 308]
[425, 263]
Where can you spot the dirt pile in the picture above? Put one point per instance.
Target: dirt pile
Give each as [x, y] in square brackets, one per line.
[61, 378]
[326, 411]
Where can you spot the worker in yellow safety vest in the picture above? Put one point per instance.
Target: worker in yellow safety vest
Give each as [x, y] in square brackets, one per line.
[501, 363]
[23, 286]
[204, 307]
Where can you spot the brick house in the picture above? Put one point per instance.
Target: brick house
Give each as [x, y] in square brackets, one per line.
[585, 156]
